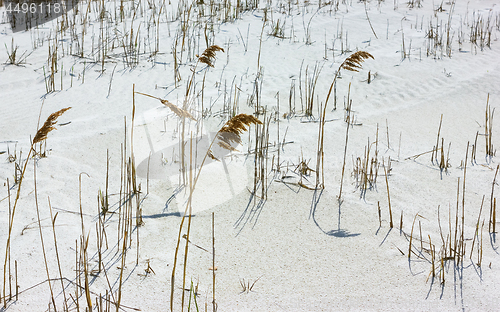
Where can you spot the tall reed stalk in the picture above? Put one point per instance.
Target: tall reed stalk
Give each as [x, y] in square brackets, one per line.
[352, 63]
[41, 135]
[228, 134]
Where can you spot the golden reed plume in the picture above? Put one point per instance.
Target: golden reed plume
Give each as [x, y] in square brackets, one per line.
[208, 56]
[48, 126]
[353, 62]
[230, 132]
[178, 111]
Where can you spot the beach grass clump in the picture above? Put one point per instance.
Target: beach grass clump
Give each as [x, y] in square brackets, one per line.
[366, 168]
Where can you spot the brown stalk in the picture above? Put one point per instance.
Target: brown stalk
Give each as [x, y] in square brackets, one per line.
[401, 223]
[352, 63]
[477, 228]
[345, 150]
[411, 234]
[435, 149]
[432, 257]
[40, 136]
[41, 236]
[189, 219]
[379, 215]
[480, 251]
[53, 219]
[214, 305]
[494, 214]
[234, 126]
[463, 199]
[456, 220]
[388, 198]
[491, 199]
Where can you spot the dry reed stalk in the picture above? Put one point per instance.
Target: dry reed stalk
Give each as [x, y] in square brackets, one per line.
[456, 221]
[83, 246]
[260, 45]
[230, 132]
[123, 255]
[477, 228]
[411, 234]
[345, 151]
[109, 286]
[85, 243]
[134, 183]
[182, 113]
[432, 257]
[387, 134]
[208, 58]
[463, 201]
[488, 127]
[8, 251]
[421, 238]
[214, 305]
[379, 214]
[41, 237]
[490, 223]
[442, 271]
[480, 251]
[189, 219]
[122, 170]
[435, 149]
[77, 277]
[474, 150]
[53, 220]
[366, 11]
[352, 63]
[17, 286]
[494, 214]
[388, 197]
[40, 136]
[401, 224]
[441, 230]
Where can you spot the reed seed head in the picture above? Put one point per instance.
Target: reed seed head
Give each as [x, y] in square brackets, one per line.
[208, 56]
[229, 134]
[48, 126]
[178, 111]
[353, 62]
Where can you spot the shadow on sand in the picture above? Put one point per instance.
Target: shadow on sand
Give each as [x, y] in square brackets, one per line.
[337, 232]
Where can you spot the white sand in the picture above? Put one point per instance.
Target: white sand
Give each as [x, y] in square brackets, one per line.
[303, 251]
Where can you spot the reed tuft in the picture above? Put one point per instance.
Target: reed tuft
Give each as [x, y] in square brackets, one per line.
[353, 62]
[174, 108]
[178, 111]
[208, 56]
[48, 126]
[230, 132]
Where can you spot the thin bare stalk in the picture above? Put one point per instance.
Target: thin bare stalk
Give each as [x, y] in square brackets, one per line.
[352, 63]
[41, 237]
[391, 225]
